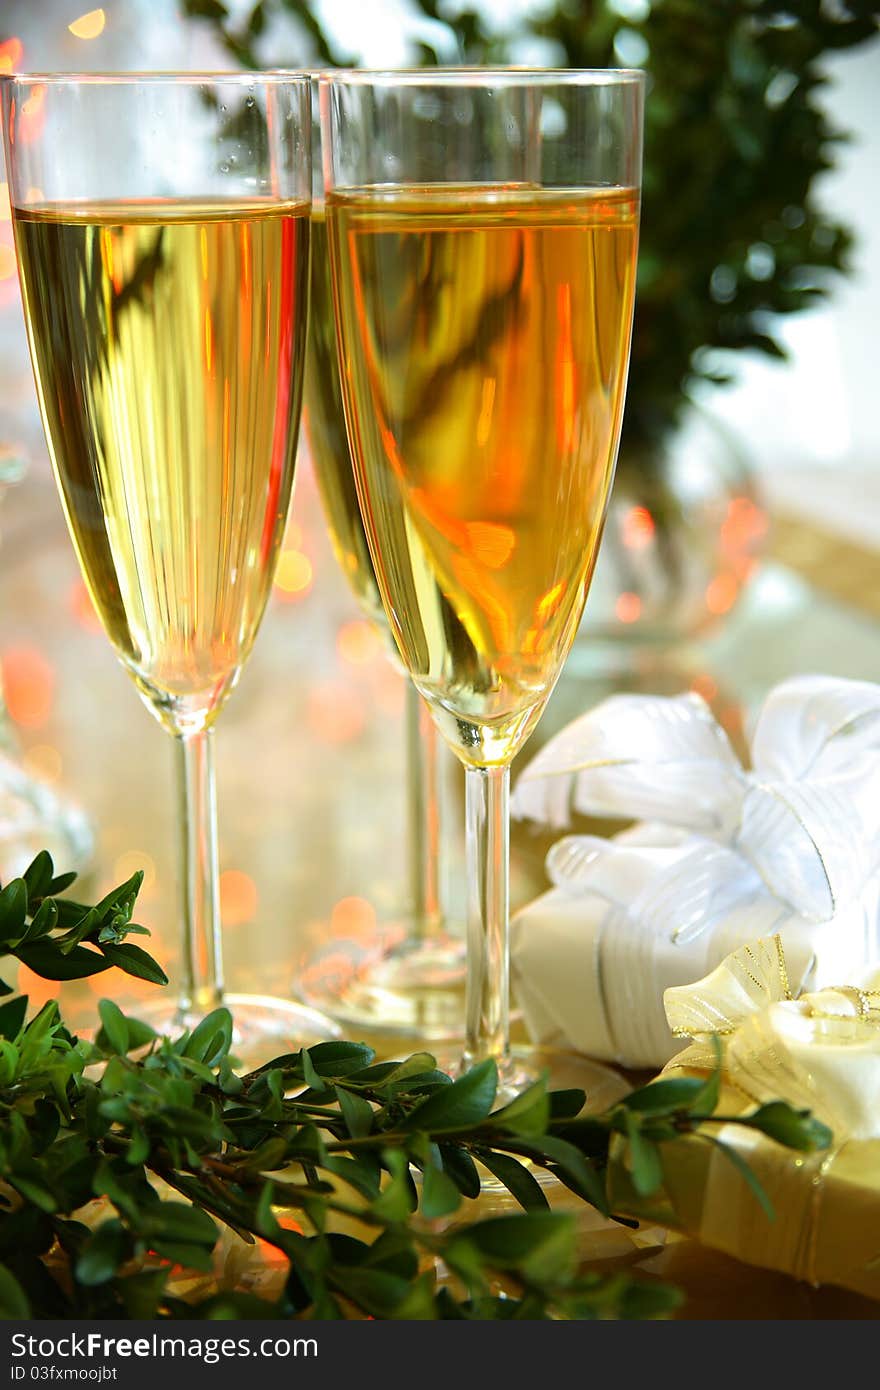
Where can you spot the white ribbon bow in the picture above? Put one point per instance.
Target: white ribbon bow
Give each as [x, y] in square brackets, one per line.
[801, 826]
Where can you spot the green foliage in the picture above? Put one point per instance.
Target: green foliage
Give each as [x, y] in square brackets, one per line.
[389, 1151]
[735, 138]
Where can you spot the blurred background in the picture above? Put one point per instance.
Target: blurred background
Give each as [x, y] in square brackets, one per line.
[744, 539]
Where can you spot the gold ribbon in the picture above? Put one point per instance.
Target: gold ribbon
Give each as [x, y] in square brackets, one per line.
[820, 1051]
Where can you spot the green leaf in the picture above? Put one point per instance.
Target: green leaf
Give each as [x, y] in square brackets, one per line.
[46, 960]
[739, 1163]
[61, 882]
[564, 1105]
[384, 1295]
[103, 1254]
[528, 1113]
[114, 1026]
[135, 962]
[139, 1033]
[466, 1102]
[339, 1058]
[211, 1039]
[519, 1182]
[310, 1076]
[795, 1129]
[12, 1017]
[38, 875]
[572, 1168]
[396, 1200]
[13, 910]
[13, 1299]
[666, 1096]
[173, 1221]
[538, 1243]
[44, 921]
[647, 1170]
[357, 1113]
[440, 1196]
[361, 1172]
[458, 1163]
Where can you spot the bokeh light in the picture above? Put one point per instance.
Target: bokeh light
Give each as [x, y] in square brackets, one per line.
[721, 593]
[29, 686]
[335, 713]
[239, 898]
[353, 917]
[638, 528]
[293, 578]
[628, 608]
[89, 25]
[359, 642]
[79, 601]
[38, 990]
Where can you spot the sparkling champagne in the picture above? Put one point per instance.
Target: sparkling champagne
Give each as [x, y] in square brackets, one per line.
[485, 334]
[325, 426]
[168, 343]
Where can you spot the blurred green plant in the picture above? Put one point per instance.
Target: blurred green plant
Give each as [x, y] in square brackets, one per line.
[736, 136]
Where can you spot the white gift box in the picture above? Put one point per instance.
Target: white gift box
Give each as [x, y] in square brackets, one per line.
[724, 855]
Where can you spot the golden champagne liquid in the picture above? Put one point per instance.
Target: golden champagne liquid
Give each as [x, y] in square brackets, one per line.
[325, 426]
[485, 334]
[168, 343]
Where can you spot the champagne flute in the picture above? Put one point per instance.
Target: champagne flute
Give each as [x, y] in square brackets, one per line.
[483, 230]
[413, 988]
[161, 229]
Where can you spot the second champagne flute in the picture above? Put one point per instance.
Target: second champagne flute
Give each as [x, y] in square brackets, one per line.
[483, 229]
[161, 227]
[414, 987]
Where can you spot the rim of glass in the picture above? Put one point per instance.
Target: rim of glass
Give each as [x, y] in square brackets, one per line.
[275, 76]
[474, 76]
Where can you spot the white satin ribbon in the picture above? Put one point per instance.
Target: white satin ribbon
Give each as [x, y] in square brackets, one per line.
[720, 856]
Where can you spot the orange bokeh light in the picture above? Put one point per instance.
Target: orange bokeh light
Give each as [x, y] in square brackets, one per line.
[239, 898]
[38, 990]
[359, 642]
[29, 686]
[704, 685]
[89, 25]
[5, 205]
[722, 593]
[11, 54]
[628, 608]
[638, 528]
[80, 603]
[335, 713]
[7, 262]
[353, 917]
[293, 578]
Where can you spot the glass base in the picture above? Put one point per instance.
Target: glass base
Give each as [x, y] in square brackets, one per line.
[413, 989]
[34, 817]
[263, 1026]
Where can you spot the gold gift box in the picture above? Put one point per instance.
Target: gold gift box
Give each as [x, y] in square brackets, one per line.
[819, 1052]
[826, 1227]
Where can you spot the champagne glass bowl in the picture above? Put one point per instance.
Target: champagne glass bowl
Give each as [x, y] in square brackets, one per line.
[483, 231]
[161, 225]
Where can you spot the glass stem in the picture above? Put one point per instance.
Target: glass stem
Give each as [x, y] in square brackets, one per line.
[201, 979]
[488, 915]
[422, 817]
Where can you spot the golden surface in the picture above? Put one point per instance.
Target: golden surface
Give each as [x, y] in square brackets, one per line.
[842, 568]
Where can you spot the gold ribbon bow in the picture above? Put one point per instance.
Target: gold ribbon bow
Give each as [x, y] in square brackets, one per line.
[819, 1051]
